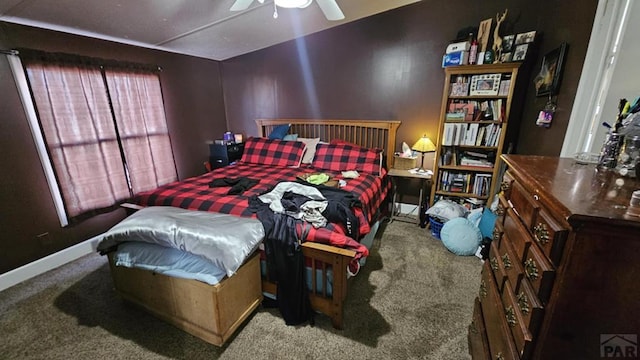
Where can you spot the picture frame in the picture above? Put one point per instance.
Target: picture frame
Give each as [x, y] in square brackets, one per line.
[505, 57]
[547, 82]
[520, 52]
[525, 38]
[507, 43]
[485, 84]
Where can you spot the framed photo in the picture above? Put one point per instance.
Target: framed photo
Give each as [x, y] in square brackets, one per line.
[520, 52]
[547, 82]
[485, 84]
[507, 43]
[525, 38]
[505, 57]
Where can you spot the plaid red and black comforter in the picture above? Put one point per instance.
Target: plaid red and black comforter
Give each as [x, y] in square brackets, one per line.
[195, 194]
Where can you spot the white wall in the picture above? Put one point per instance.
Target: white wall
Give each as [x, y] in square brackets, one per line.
[607, 76]
[625, 79]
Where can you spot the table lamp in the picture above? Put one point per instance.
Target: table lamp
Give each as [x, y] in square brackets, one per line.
[423, 145]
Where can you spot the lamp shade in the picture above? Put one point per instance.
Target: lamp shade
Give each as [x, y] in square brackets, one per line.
[424, 145]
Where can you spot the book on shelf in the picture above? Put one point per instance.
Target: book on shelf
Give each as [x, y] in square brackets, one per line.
[505, 85]
[471, 134]
[456, 157]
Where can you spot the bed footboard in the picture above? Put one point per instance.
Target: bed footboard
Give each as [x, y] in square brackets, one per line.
[322, 258]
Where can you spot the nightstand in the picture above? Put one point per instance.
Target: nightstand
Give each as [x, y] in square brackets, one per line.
[221, 155]
[401, 175]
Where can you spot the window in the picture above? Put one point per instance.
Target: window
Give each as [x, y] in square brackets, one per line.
[104, 131]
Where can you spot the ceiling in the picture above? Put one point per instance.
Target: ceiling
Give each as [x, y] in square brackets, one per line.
[203, 28]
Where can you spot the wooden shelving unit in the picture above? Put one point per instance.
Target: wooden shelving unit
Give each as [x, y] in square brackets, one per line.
[475, 111]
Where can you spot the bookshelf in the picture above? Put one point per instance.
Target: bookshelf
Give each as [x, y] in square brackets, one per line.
[476, 104]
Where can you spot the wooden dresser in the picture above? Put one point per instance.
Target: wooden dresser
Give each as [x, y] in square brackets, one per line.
[563, 276]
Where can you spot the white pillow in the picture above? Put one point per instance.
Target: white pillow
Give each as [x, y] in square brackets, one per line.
[311, 144]
[446, 210]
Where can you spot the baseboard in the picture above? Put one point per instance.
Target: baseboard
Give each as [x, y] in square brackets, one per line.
[48, 263]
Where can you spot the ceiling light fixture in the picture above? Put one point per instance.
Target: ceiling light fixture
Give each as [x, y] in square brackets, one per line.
[290, 4]
[329, 8]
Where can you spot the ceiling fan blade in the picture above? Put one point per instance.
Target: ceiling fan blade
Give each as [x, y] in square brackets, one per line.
[330, 9]
[240, 5]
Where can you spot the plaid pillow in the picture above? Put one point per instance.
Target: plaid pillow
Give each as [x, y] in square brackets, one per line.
[342, 157]
[274, 152]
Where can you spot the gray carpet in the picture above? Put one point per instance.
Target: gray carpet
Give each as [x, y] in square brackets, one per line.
[412, 300]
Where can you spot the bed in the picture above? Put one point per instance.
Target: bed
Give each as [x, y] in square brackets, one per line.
[332, 253]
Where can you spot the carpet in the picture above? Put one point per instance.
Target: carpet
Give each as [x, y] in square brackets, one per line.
[412, 300]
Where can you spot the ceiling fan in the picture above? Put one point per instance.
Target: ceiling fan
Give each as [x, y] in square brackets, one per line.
[329, 8]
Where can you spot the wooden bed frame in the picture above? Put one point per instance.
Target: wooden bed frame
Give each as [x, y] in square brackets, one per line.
[367, 133]
[214, 312]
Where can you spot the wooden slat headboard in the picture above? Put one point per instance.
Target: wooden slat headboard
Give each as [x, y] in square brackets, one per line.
[367, 133]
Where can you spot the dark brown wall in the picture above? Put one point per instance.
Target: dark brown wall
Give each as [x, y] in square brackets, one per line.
[195, 112]
[389, 67]
[384, 67]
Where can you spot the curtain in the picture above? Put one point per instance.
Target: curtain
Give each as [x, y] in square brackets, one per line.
[105, 129]
[78, 128]
[139, 112]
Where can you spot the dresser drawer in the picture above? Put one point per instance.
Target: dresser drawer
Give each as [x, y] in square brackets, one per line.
[497, 267]
[499, 337]
[530, 306]
[512, 265]
[477, 337]
[549, 235]
[523, 204]
[540, 273]
[522, 337]
[518, 235]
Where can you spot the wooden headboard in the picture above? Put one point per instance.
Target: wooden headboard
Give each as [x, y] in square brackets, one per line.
[367, 133]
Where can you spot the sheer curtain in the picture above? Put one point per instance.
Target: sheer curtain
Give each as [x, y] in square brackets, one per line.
[105, 131]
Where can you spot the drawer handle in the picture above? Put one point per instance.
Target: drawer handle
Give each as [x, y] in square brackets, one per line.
[483, 290]
[494, 263]
[496, 235]
[499, 356]
[531, 269]
[506, 261]
[500, 210]
[523, 303]
[542, 233]
[473, 327]
[510, 314]
[536, 197]
[505, 186]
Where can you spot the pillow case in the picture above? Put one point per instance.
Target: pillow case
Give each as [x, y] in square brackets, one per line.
[446, 210]
[167, 261]
[487, 222]
[341, 157]
[279, 131]
[290, 137]
[272, 152]
[311, 144]
[460, 236]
